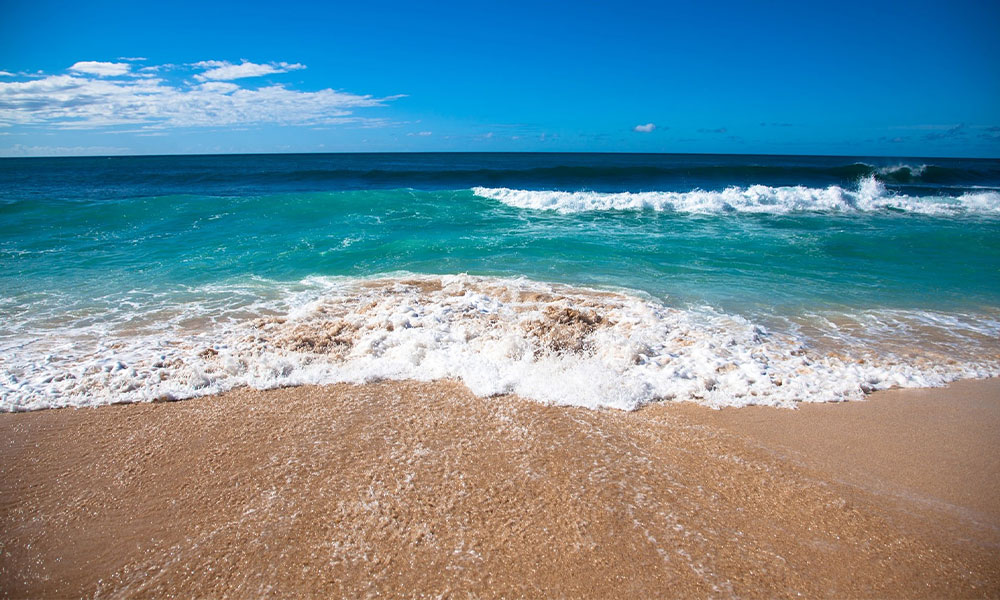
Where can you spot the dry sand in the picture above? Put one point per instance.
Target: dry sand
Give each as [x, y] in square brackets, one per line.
[423, 490]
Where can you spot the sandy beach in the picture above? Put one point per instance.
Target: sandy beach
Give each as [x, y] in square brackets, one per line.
[406, 489]
[460, 300]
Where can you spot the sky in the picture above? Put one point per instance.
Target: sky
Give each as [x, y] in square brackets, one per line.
[848, 78]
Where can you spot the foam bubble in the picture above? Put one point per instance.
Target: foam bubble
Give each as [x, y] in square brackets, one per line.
[550, 343]
[870, 196]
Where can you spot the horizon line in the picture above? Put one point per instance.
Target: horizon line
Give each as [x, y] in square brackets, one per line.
[581, 152]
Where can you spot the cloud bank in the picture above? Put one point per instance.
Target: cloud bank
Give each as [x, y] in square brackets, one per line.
[95, 95]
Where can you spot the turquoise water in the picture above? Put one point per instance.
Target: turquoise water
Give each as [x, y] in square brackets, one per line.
[95, 249]
[737, 262]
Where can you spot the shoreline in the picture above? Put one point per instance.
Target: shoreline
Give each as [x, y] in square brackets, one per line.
[550, 342]
[405, 488]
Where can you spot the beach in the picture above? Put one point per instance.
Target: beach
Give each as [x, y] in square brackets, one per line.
[499, 375]
[410, 489]
[499, 300]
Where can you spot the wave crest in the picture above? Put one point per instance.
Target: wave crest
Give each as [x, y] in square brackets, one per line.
[870, 196]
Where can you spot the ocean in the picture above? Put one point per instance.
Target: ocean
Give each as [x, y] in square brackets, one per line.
[600, 280]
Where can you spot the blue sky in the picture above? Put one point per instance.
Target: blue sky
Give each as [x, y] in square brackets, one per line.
[879, 78]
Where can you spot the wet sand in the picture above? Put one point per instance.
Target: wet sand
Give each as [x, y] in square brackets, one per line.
[408, 489]
[924, 448]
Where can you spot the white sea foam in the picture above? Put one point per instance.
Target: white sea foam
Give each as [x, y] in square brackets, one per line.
[898, 169]
[551, 343]
[870, 196]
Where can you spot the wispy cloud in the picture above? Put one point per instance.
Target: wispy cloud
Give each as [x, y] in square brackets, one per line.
[6, 74]
[647, 128]
[101, 69]
[951, 132]
[25, 150]
[132, 58]
[420, 133]
[925, 127]
[97, 95]
[990, 133]
[224, 70]
[719, 130]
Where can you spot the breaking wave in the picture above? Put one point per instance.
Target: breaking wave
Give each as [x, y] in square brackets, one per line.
[870, 196]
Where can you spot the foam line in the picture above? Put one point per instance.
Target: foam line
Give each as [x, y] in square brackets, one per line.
[550, 343]
[870, 196]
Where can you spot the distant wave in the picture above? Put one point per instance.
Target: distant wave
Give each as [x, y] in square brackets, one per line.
[153, 177]
[905, 173]
[870, 196]
[901, 173]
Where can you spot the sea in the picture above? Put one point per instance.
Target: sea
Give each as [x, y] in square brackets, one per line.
[597, 280]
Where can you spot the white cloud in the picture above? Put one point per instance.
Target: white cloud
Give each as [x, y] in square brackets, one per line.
[101, 69]
[6, 74]
[218, 69]
[79, 101]
[647, 128]
[420, 133]
[221, 87]
[23, 150]
[132, 58]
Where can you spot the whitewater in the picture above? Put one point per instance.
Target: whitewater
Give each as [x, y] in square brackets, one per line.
[870, 196]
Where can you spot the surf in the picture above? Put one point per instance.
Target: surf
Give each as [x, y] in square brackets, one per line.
[869, 196]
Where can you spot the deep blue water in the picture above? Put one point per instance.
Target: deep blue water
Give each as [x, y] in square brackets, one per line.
[226, 175]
